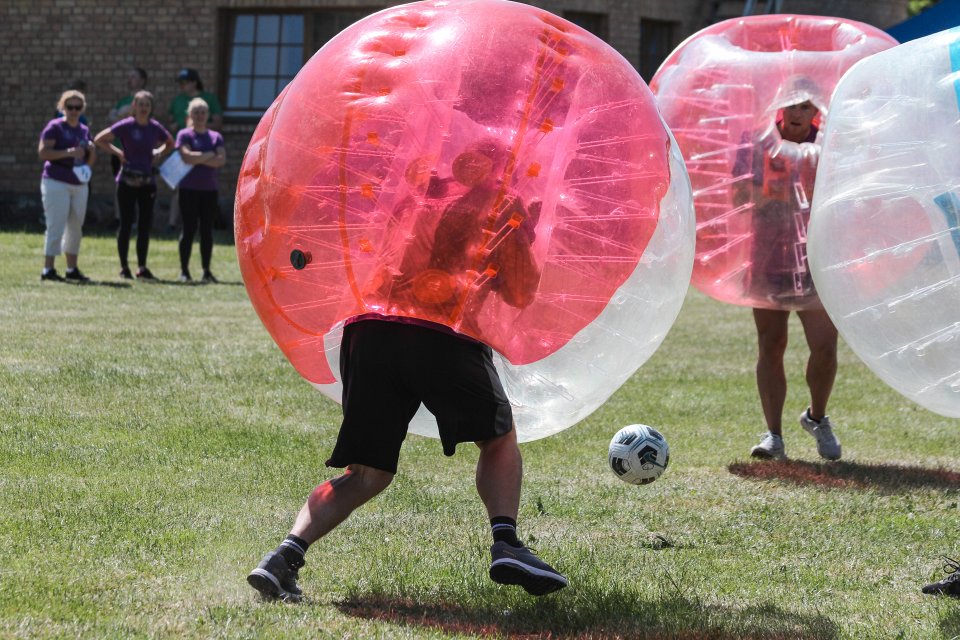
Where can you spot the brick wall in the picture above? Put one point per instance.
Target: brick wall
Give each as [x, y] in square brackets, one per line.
[47, 44]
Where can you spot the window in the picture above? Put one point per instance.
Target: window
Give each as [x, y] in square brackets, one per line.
[656, 43]
[264, 51]
[595, 23]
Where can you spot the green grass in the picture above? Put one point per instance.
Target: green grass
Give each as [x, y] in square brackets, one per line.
[154, 443]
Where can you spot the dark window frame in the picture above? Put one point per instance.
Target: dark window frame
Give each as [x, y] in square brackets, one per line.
[227, 21]
[663, 32]
[596, 22]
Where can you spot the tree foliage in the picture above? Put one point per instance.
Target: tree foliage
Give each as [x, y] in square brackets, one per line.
[915, 7]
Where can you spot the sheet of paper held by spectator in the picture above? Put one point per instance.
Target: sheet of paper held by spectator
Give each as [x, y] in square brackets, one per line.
[174, 169]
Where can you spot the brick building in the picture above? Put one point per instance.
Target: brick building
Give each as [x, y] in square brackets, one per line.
[246, 49]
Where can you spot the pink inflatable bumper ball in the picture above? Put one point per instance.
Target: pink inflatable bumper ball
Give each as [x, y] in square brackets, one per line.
[480, 164]
[723, 93]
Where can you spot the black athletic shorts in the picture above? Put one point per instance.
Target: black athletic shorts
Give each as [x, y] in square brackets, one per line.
[388, 368]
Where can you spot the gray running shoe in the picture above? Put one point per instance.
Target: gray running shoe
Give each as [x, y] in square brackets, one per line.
[275, 578]
[771, 447]
[827, 444]
[949, 586]
[521, 566]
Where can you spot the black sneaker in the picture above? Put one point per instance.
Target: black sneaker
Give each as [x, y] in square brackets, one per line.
[520, 565]
[126, 274]
[275, 578]
[144, 274]
[76, 275]
[949, 586]
[51, 275]
[209, 278]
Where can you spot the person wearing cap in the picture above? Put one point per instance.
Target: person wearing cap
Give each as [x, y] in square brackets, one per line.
[192, 87]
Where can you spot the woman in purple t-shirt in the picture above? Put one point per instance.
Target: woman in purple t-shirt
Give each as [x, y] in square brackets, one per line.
[67, 152]
[144, 141]
[204, 149]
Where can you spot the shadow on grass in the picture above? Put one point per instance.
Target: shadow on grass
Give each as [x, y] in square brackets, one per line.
[222, 236]
[950, 622]
[598, 615]
[95, 283]
[848, 475]
[129, 284]
[192, 283]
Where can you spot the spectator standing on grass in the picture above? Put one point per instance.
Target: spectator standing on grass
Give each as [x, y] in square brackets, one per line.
[191, 86]
[144, 141]
[205, 150]
[81, 86]
[136, 81]
[67, 153]
[391, 365]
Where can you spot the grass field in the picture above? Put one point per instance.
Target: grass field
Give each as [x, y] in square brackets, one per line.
[154, 443]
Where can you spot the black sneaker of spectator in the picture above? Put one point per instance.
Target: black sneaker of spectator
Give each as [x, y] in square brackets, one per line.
[76, 276]
[51, 274]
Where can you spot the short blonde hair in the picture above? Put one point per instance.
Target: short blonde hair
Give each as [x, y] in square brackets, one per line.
[196, 103]
[66, 95]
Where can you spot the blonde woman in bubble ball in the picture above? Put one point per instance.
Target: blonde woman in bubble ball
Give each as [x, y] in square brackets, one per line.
[67, 152]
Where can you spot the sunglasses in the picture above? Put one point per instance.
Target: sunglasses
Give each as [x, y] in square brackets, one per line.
[73, 107]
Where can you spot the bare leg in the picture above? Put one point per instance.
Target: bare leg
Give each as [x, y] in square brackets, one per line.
[334, 500]
[71, 260]
[48, 262]
[771, 379]
[499, 475]
[822, 366]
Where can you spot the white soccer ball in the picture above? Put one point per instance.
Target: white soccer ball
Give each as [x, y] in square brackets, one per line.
[638, 454]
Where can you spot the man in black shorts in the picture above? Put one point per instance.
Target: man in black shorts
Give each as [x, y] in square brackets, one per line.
[389, 365]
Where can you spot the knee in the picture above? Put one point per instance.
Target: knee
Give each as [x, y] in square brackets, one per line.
[772, 344]
[504, 443]
[368, 480]
[824, 351]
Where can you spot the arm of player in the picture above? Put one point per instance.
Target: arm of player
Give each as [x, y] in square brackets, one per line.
[518, 276]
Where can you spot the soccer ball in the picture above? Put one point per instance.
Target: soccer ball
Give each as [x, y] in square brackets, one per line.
[638, 454]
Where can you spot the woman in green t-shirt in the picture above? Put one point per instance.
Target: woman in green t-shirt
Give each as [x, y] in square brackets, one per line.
[191, 87]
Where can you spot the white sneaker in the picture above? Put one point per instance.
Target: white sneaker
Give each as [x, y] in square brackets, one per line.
[770, 447]
[827, 444]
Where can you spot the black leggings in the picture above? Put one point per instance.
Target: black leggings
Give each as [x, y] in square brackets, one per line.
[130, 199]
[197, 208]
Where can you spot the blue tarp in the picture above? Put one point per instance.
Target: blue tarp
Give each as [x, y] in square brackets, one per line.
[940, 17]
